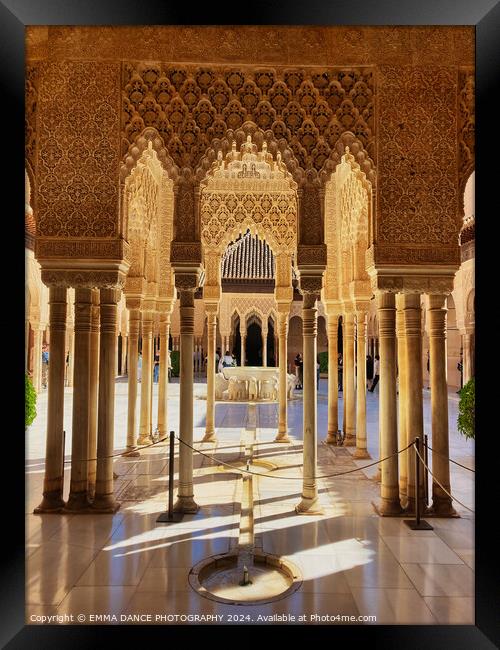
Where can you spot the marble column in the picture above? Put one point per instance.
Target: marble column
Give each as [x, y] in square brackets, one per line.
[389, 488]
[37, 357]
[78, 497]
[414, 409]
[264, 348]
[349, 383]
[133, 354]
[54, 451]
[124, 354]
[467, 372]
[441, 502]
[333, 380]
[361, 440]
[185, 498]
[146, 378]
[211, 339]
[402, 398]
[94, 382]
[104, 500]
[163, 375]
[71, 351]
[309, 503]
[243, 336]
[282, 435]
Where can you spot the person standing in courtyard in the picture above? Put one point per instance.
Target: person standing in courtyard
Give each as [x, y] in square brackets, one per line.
[45, 364]
[299, 366]
[369, 368]
[340, 366]
[376, 373]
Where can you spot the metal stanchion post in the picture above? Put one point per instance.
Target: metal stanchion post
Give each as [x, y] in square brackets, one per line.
[426, 472]
[417, 523]
[170, 516]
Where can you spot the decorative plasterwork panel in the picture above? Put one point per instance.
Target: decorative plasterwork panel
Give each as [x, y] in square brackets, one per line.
[78, 150]
[249, 189]
[190, 106]
[268, 45]
[31, 82]
[417, 154]
[466, 129]
[243, 305]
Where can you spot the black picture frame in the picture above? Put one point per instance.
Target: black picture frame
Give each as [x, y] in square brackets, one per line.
[485, 16]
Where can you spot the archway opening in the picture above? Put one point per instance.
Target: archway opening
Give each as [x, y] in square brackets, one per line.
[254, 345]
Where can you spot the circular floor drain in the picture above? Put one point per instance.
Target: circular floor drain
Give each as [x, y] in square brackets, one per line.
[218, 578]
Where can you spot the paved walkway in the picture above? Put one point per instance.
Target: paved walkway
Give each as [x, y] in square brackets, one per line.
[353, 563]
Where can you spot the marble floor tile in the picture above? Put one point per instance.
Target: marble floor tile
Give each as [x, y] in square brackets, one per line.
[393, 606]
[423, 550]
[452, 611]
[441, 579]
[95, 600]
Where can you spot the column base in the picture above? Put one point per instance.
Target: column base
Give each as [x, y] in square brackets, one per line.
[361, 453]
[350, 440]
[388, 508]
[282, 437]
[187, 505]
[308, 506]
[105, 504]
[144, 440]
[78, 502]
[132, 452]
[331, 438]
[209, 437]
[51, 502]
[442, 508]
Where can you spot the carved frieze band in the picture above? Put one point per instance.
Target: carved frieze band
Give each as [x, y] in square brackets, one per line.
[83, 248]
[83, 279]
[412, 284]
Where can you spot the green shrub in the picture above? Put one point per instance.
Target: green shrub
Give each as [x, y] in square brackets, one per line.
[323, 361]
[175, 359]
[466, 409]
[30, 402]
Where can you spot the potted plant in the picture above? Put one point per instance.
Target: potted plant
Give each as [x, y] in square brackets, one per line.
[30, 402]
[466, 410]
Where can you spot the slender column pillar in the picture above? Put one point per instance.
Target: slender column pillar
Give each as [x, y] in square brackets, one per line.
[349, 394]
[389, 489]
[133, 355]
[211, 335]
[54, 451]
[264, 348]
[333, 380]
[104, 500]
[78, 497]
[163, 374]
[309, 503]
[403, 397]
[146, 378]
[441, 502]
[467, 357]
[361, 441]
[94, 381]
[124, 354]
[37, 357]
[185, 500]
[414, 411]
[283, 379]
[243, 336]
[71, 352]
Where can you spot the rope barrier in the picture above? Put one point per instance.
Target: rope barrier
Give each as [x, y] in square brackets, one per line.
[450, 459]
[121, 453]
[443, 488]
[290, 478]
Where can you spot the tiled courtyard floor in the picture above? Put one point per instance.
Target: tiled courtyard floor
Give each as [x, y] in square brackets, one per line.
[352, 561]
